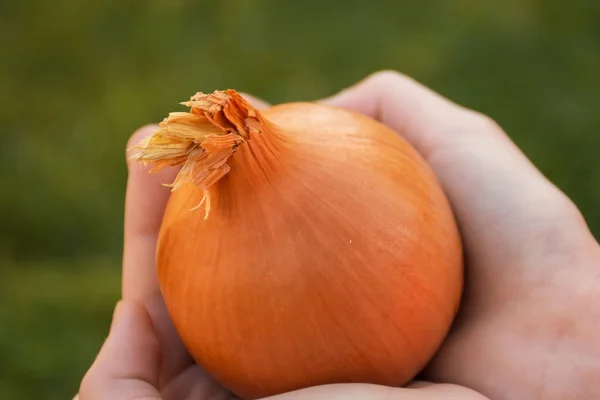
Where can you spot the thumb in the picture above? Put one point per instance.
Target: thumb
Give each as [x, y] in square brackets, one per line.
[128, 363]
[416, 391]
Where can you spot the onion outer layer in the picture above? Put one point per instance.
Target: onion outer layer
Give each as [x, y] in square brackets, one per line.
[327, 252]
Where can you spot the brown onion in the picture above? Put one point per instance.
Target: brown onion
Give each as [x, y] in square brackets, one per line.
[327, 252]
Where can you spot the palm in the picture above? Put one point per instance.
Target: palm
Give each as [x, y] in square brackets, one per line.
[522, 246]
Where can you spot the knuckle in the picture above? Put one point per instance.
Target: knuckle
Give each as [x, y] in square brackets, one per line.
[386, 77]
[482, 122]
[565, 211]
[560, 228]
[386, 74]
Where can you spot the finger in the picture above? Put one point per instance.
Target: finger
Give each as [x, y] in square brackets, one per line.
[489, 181]
[127, 366]
[421, 115]
[375, 392]
[145, 202]
[175, 356]
[430, 122]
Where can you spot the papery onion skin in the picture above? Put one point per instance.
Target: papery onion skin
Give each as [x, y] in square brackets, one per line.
[330, 255]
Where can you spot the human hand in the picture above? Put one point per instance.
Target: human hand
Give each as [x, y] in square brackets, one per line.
[128, 365]
[529, 322]
[528, 314]
[143, 357]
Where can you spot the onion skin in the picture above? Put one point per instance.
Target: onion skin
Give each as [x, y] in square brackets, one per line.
[330, 255]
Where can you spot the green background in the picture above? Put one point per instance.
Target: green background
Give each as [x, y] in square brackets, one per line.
[77, 77]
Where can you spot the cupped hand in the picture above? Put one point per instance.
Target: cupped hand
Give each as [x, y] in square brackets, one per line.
[529, 324]
[128, 368]
[529, 319]
[143, 357]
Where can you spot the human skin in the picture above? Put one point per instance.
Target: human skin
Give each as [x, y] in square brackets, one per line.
[529, 321]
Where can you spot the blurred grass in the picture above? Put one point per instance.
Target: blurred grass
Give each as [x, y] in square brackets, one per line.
[76, 78]
[54, 318]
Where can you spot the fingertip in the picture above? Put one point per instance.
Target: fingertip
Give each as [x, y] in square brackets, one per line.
[145, 201]
[137, 136]
[256, 102]
[364, 96]
[140, 172]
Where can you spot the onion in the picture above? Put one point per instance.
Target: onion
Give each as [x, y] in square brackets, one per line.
[327, 251]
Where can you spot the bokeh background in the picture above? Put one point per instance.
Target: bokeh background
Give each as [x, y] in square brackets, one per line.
[77, 77]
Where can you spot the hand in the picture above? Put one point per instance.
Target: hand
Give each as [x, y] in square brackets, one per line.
[525, 323]
[143, 357]
[529, 324]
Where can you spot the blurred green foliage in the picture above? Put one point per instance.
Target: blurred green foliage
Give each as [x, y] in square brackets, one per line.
[53, 318]
[76, 78]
